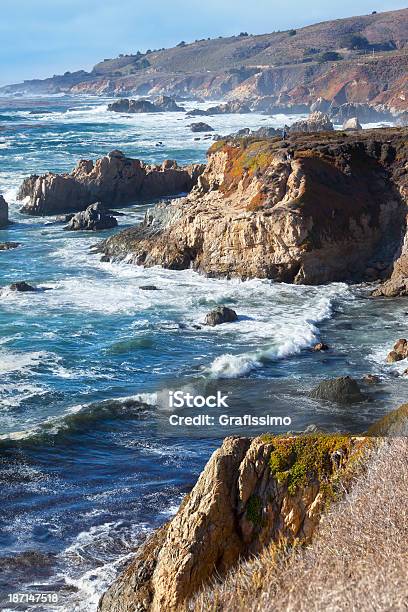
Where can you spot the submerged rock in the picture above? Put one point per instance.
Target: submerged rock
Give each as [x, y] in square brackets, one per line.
[342, 390]
[95, 217]
[3, 212]
[220, 315]
[320, 346]
[399, 352]
[201, 127]
[112, 180]
[149, 288]
[371, 379]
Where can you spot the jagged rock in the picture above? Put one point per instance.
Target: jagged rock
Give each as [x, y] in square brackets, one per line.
[233, 107]
[22, 287]
[352, 124]
[399, 352]
[7, 246]
[321, 104]
[362, 111]
[201, 127]
[3, 212]
[317, 208]
[343, 390]
[167, 104]
[316, 122]
[112, 180]
[238, 506]
[133, 106]
[220, 315]
[95, 217]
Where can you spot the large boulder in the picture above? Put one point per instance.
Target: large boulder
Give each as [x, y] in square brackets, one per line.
[95, 217]
[3, 212]
[399, 352]
[342, 390]
[220, 315]
[250, 494]
[112, 180]
[167, 104]
[316, 122]
[352, 124]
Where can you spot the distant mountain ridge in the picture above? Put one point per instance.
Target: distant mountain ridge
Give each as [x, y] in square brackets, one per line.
[357, 59]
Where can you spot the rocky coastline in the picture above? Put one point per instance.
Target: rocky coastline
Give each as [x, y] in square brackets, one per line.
[312, 209]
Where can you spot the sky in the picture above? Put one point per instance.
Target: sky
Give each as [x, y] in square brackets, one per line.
[39, 38]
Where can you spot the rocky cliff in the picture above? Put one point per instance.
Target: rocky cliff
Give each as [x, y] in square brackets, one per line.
[112, 180]
[358, 59]
[251, 493]
[313, 209]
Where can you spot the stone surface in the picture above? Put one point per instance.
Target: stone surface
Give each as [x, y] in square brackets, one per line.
[133, 106]
[399, 352]
[236, 508]
[342, 390]
[352, 124]
[220, 315]
[316, 122]
[201, 127]
[317, 208]
[112, 180]
[3, 212]
[96, 217]
[320, 346]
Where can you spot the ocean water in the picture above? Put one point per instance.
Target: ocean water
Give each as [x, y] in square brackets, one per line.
[87, 468]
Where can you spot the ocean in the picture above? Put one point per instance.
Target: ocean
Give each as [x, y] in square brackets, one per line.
[87, 465]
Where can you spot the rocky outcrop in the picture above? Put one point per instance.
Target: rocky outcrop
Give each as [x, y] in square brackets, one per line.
[96, 217]
[399, 352]
[251, 493]
[3, 212]
[201, 127]
[352, 124]
[342, 390]
[234, 107]
[363, 112]
[316, 122]
[112, 180]
[22, 287]
[220, 315]
[316, 208]
[161, 104]
[8, 246]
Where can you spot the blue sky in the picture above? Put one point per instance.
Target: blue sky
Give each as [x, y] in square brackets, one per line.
[40, 38]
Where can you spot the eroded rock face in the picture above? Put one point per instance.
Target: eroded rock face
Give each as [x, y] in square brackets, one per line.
[3, 212]
[250, 493]
[314, 209]
[112, 180]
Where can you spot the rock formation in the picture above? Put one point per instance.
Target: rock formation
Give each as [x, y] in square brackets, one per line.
[112, 180]
[342, 390]
[251, 492]
[234, 107]
[316, 122]
[3, 212]
[201, 127]
[95, 217]
[399, 352]
[161, 104]
[220, 315]
[313, 209]
[8, 246]
[352, 124]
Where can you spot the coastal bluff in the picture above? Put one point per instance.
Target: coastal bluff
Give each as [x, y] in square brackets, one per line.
[112, 180]
[252, 492]
[314, 208]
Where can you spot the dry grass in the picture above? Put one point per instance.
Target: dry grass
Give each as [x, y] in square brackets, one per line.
[357, 561]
